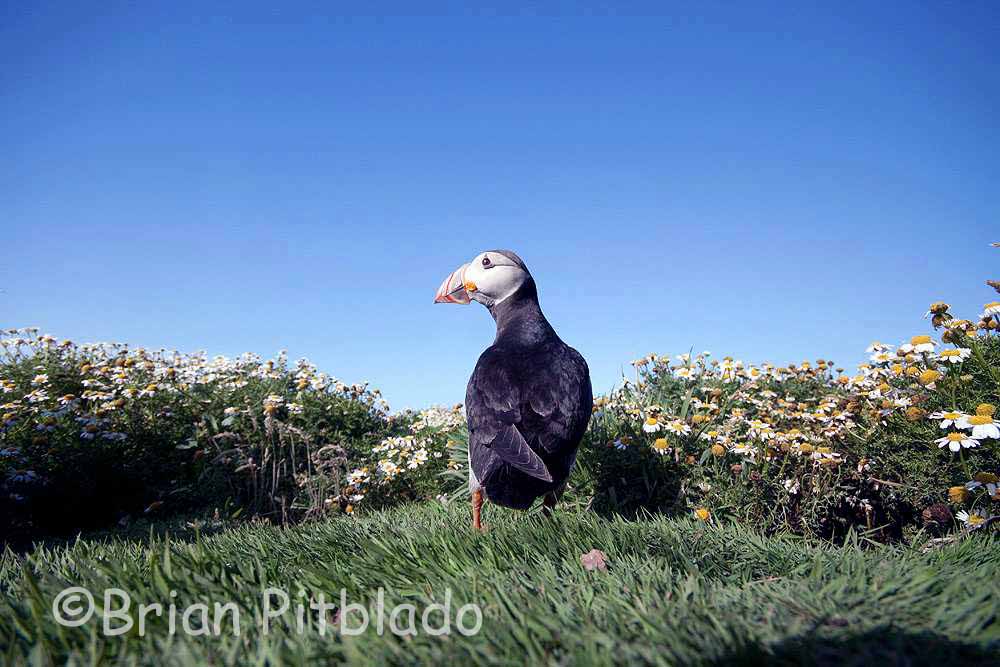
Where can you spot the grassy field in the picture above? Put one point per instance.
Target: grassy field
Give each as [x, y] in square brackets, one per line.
[675, 591]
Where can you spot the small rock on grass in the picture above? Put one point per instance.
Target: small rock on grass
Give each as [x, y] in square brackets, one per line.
[595, 559]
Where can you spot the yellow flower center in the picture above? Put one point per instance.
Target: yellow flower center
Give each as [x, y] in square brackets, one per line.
[928, 377]
[975, 520]
[702, 514]
[985, 409]
[920, 340]
[979, 420]
[951, 415]
[951, 353]
[651, 421]
[956, 437]
[661, 444]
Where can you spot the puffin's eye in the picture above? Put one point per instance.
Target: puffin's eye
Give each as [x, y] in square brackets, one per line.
[486, 261]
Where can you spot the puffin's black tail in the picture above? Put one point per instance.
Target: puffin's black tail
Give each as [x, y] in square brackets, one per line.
[514, 489]
[514, 450]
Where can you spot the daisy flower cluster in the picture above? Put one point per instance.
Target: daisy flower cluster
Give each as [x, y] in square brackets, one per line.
[688, 405]
[112, 375]
[402, 460]
[899, 380]
[723, 434]
[966, 431]
[57, 396]
[910, 381]
[787, 424]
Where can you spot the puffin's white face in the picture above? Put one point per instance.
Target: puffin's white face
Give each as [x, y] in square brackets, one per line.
[489, 279]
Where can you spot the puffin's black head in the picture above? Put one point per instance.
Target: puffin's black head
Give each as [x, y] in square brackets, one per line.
[489, 279]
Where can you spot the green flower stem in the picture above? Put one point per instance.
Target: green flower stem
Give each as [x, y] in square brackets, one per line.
[965, 464]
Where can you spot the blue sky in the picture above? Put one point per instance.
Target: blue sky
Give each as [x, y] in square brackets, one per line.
[770, 181]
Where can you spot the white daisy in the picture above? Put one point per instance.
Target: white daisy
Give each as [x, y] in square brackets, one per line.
[983, 426]
[991, 309]
[918, 344]
[651, 425]
[677, 427]
[955, 356]
[955, 441]
[760, 429]
[972, 520]
[948, 418]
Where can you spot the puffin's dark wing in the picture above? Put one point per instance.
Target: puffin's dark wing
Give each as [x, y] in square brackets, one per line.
[492, 405]
[560, 401]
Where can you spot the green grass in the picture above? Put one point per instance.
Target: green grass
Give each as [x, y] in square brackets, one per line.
[675, 592]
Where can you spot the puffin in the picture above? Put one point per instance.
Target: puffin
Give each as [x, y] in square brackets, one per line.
[529, 399]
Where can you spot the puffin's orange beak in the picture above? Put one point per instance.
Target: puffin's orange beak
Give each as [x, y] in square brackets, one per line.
[454, 289]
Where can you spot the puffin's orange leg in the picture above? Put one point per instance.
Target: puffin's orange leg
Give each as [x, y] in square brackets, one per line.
[477, 506]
